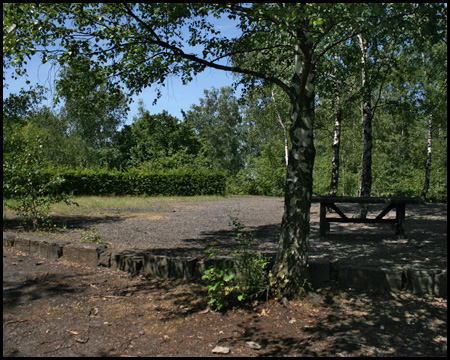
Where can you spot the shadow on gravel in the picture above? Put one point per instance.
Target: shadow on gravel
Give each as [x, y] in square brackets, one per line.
[357, 323]
[70, 222]
[380, 322]
[227, 240]
[357, 245]
[45, 286]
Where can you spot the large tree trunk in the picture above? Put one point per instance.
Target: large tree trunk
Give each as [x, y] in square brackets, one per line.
[291, 261]
[336, 139]
[426, 184]
[335, 154]
[366, 168]
[280, 120]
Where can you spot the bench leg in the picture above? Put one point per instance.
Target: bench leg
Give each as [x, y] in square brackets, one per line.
[400, 224]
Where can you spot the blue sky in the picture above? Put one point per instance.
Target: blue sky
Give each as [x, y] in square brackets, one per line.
[175, 95]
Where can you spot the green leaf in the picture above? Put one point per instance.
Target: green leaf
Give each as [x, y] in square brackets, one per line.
[228, 277]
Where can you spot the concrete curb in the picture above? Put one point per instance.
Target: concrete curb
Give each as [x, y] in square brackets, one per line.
[322, 271]
[421, 282]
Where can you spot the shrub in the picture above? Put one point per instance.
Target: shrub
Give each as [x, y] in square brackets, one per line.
[91, 237]
[134, 182]
[244, 281]
[34, 190]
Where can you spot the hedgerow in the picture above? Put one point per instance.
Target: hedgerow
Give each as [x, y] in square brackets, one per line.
[134, 182]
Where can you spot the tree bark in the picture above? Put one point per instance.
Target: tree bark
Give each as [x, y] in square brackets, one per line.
[366, 168]
[336, 139]
[335, 154]
[291, 261]
[426, 183]
[280, 120]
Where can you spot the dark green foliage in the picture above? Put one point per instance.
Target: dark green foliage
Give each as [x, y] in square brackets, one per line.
[103, 182]
[93, 109]
[219, 125]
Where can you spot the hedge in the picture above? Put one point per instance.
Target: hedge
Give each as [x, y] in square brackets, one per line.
[111, 183]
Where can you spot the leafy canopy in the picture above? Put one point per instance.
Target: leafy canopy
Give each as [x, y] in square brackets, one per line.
[142, 44]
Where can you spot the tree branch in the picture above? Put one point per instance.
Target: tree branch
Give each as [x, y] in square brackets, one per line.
[194, 58]
[248, 51]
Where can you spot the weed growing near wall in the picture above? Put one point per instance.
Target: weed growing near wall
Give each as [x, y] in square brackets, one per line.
[246, 279]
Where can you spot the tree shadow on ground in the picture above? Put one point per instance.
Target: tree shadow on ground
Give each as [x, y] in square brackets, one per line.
[43, 286]
[375, 244]
[358, 324]
[70, 222]
[262, 237]
[367, 323]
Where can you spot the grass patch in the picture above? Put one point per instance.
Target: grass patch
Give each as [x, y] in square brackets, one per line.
[90, 204]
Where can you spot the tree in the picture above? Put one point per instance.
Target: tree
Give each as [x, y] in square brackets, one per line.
[161, 141]
[141, 44]
[26, 151]
[265, 112]
[123, 141]
[433, 97]
[93, 109]
[283, 126]
[337, 111]
[17, 111]
[218, 122]
[23, 180]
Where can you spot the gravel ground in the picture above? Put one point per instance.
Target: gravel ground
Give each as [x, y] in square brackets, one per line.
[53, 308]
[192, 227]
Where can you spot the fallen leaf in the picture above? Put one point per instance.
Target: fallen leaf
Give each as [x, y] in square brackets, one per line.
[204, 311]
[72, 332]
[80, 340]
[263, 313]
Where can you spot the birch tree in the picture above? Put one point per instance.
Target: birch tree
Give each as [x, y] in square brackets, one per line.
[137, 45]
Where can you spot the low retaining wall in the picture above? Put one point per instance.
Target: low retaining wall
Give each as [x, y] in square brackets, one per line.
[433, 282]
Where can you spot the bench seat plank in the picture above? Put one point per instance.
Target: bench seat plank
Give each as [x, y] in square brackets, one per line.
[364, 200]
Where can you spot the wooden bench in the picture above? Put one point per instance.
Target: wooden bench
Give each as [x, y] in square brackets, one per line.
[397, 203]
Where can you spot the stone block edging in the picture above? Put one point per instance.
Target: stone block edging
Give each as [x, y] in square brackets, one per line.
[322, 271]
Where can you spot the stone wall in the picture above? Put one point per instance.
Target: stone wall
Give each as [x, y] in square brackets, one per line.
[192, 268]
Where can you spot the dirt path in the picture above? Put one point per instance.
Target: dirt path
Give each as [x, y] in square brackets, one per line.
[53, 308]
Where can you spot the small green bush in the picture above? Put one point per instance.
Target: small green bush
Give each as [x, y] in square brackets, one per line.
[33, 189]
[91, 237]
[248, 280]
